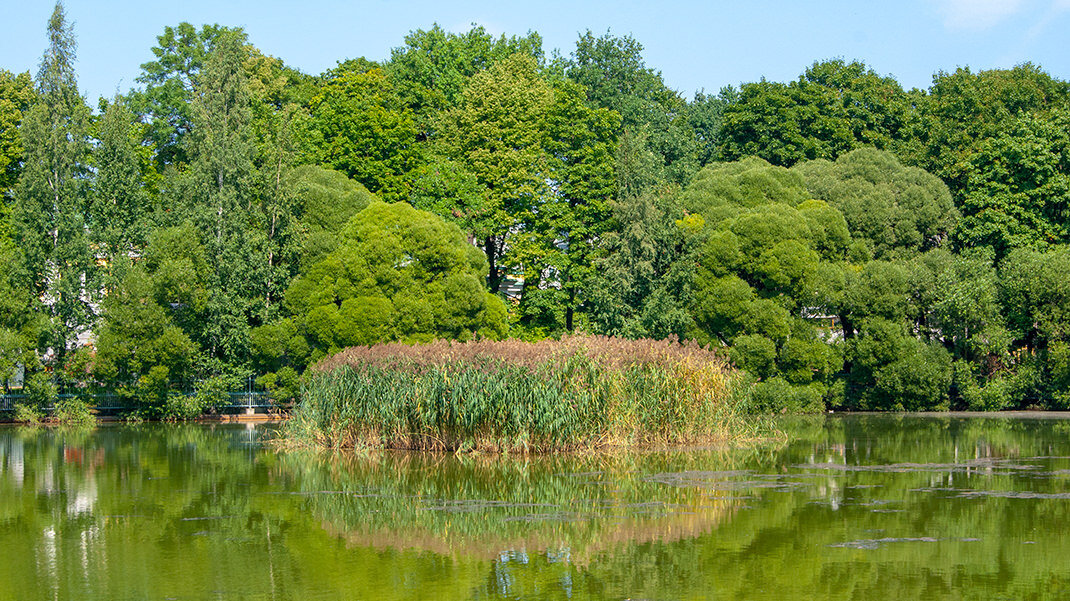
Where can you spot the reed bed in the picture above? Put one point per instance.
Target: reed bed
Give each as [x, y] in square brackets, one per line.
[580, 392]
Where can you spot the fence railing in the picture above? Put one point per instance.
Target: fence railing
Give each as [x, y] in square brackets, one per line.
[110, 402]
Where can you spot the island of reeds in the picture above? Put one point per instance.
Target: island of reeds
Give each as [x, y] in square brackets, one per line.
[579, 392]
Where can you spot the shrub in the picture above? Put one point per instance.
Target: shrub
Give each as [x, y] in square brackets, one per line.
[213, 392]
[41, 391]
[777, 395]
[72, 411]
[284, 386]
[27, 414]
[993, 395]
[180, 407]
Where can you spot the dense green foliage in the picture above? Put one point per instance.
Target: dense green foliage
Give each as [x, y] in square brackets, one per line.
[893, 211]
[851, 244]
[397, 274]
[834, 107]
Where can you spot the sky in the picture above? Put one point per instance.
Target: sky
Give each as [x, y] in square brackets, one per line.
[696, 45]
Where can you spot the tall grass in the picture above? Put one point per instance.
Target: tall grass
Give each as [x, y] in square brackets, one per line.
[575, 393]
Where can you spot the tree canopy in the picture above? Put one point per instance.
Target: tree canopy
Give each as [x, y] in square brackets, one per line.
[397, 274]
[847, 243]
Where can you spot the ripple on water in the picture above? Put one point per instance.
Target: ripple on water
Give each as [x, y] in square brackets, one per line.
[723, 481]
[876, 543]
[1012, 494]
[984, 463]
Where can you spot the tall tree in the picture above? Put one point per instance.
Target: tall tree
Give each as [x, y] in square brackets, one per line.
[613, 72]
[706, 115]
[998, 139]
[21, 319]
[964, 109]
[170, 83]
[496, 133]
[119, 211]
[16, 96]
[225, 191]
[50, 202]
[642, 286]
[361, 128]
[279, 99]
[563, 229]
[832, 108]
[1017, 187]
[532, 171]
[432, 68]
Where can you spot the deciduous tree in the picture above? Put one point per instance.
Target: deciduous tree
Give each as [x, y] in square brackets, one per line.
[834, 107]
[49, 211]
[16, 96]
[398, 274]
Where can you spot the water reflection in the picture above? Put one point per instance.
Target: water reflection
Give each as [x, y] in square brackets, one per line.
[856, 508]
[575, 507]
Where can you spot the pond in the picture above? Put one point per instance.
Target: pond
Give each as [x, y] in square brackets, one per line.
[855, 507]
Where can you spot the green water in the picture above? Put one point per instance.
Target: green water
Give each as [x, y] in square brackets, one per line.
[857, 507]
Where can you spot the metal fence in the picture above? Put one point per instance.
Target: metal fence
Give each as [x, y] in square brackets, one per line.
[251, 398]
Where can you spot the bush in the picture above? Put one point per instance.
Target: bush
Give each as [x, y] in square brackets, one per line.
[151, 388]
[214, 392]
[72, 411]
[918, 381]
[41, 391]
[27, 414]
[777, 395]
[994, 395]
[180, 407]
[284, 386]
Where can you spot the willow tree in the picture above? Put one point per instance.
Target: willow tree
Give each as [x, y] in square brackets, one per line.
[397, 274]
[769, 257]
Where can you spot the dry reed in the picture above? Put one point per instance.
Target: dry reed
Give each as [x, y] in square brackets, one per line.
[579, 392]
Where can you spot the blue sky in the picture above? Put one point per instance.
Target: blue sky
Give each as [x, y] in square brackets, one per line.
[696, 45]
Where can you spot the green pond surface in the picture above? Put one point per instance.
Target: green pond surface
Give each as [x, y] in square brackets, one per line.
[854, 507]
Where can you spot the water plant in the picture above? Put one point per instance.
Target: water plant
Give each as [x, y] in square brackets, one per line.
[72, 411]
[579, 392]
[25, 413]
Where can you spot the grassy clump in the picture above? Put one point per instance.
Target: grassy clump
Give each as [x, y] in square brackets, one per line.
[72, 412]
[25, 413]
[574, 393]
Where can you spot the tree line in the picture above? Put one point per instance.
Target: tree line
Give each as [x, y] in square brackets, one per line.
[850, 243]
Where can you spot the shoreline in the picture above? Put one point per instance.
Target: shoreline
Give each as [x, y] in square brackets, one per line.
[279, 418]
[255, 418]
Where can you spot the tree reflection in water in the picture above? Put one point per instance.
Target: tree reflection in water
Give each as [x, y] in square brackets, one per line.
[855, 507]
